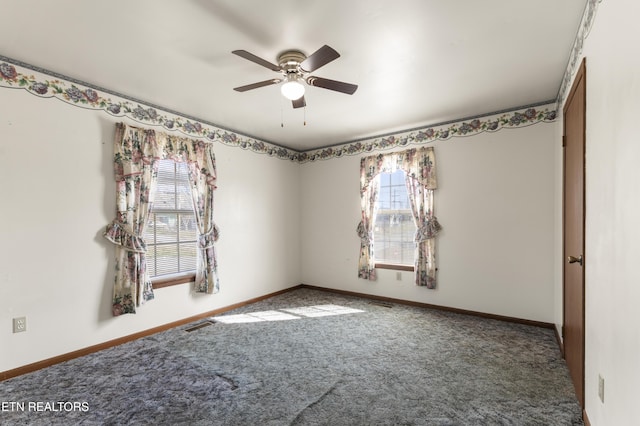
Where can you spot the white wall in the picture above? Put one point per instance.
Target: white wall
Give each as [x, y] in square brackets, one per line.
[496, 203]
[612, 277]
[57, 192]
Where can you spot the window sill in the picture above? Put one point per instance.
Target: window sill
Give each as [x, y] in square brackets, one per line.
[168, 281]
[393, 266]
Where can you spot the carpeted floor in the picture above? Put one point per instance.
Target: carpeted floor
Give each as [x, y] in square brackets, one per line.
[310, 357]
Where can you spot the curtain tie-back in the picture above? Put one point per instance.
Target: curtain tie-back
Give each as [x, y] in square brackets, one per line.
[427, 230]
[118, 234]
[207, 240]
[363, 233]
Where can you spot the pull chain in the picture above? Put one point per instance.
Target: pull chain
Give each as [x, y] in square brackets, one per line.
[304, 122]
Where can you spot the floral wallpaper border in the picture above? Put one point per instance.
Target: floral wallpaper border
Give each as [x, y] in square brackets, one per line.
[491, 123]
[576, 51]
[45, 84]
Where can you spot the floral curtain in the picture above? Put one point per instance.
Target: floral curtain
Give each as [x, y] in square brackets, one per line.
[136, 152]
[202, 174]
[420, 170]
[368, 195]
[420, 179]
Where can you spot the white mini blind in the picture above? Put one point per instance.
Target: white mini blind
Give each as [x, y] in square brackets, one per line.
[173, 191]
[171, 233]
[394, 227]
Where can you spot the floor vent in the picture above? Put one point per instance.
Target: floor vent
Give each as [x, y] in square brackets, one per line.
[199, 326]
[381, 303]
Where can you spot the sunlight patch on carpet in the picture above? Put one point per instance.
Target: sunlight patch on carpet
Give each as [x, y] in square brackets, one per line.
[322, 310]
[255, 317]
[287, 314]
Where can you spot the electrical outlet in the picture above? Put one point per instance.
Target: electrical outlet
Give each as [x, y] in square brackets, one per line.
[399, 276]
[19, 324]
[601, 388]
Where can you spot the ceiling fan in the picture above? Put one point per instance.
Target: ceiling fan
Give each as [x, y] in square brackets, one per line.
[295, 67]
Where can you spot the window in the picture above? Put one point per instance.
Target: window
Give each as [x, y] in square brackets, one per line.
[171, 233]
[394, 227]
[389, 237]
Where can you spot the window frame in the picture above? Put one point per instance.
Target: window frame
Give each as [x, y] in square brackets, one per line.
[184, 277]
[170, 280]
[394, 266]
[388, 265]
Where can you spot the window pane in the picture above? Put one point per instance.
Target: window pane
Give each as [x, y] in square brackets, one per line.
[183, 193]
[184, 201]
[166, 259]
[165, 227]
[188, 257]
[166, 186]
[175, 258]
[397, 178]
[187, 227]
[390, 253]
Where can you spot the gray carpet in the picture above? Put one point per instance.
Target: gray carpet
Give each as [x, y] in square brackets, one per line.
[386, 365]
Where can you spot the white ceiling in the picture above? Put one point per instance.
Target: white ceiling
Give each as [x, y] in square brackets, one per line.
[417, 62]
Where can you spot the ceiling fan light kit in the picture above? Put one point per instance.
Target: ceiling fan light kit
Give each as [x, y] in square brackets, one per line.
[292, 89]
[294, 67]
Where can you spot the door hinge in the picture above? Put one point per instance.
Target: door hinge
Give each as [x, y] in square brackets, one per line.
[564, 141]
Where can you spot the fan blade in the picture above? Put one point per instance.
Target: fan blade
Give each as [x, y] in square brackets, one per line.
[257, 85]
[319, 58]
[338, 86]
[299, 103]
[253, 58]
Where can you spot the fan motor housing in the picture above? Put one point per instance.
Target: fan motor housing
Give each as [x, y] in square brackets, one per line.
[290, 60]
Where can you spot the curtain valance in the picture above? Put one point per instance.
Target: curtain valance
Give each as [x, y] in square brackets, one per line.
[417, 163]
[140, 147]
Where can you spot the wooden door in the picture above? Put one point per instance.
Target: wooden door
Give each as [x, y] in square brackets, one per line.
[573, 218]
